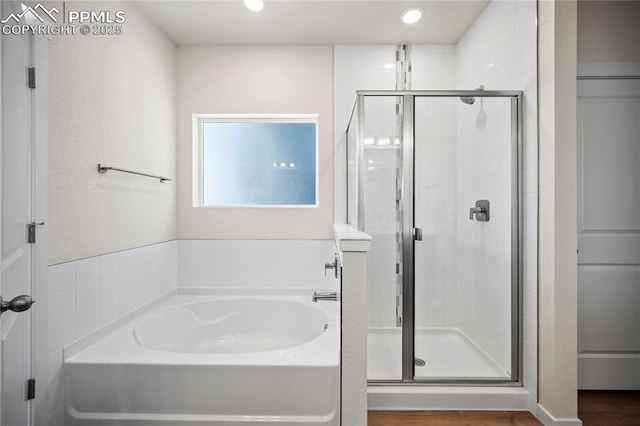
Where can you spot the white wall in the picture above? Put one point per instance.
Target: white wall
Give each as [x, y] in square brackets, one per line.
[255, 79]
[608, 31]
[112, 100]
[499, 52]
[557, 220]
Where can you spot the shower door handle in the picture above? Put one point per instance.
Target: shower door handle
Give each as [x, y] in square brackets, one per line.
[417, 234]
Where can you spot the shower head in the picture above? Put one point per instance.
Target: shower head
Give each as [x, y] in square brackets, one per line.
[470, 100]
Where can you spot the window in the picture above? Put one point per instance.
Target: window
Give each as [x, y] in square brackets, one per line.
[256, 161]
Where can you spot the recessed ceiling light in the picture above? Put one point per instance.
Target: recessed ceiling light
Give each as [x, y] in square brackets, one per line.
[254, 5]
[412, 15]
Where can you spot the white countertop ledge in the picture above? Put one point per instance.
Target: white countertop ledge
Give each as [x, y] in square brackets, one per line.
[350, 239]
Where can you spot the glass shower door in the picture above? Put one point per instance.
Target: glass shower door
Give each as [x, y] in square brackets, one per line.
[378, 148]
[465, 190]
[433, 177]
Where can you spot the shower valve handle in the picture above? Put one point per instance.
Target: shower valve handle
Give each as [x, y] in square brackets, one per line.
[481, 211]
[475, 210]
[332, 265]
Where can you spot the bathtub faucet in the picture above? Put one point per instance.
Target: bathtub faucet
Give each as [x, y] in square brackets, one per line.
[330, 295]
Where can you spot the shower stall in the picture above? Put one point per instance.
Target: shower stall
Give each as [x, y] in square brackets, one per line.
[434, 178]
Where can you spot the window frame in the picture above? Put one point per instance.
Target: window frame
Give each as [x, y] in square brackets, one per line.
[198, 121]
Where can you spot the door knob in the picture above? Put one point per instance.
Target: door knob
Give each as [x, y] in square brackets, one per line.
[17, 304]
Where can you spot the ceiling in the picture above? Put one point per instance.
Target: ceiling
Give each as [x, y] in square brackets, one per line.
[312, 21]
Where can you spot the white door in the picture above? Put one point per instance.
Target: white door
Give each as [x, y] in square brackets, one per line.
[609, 234]
[16, 212]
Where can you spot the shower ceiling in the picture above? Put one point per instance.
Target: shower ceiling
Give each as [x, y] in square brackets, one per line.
[312, 21]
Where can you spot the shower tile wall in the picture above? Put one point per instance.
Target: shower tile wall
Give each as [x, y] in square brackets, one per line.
[359, 67]
[484, 284]
[436, 267]
[498, 51]
[369, 68]
[88, 294]
[373, 68]
[380, 218]
[433, 68]
[460, 158]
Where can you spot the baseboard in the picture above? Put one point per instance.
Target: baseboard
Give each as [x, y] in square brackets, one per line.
[532, 404]
[548, 420]
[607, 371]
[447, 398]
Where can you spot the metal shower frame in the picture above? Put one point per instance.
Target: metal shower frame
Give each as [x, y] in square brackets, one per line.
[408, 195]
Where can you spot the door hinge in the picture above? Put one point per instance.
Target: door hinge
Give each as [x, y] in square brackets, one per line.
[32, 78]
[31, 389]
[31, 231]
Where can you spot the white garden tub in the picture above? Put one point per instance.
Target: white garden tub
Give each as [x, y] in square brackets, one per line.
[212, 360]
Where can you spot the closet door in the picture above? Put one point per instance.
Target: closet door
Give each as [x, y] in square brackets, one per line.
[609, 234]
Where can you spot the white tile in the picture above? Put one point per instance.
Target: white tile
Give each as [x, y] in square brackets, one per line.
[62, 333]
[56, 418]
[255, 248]
[207, 273]
[88, 270]
[188, 248]
[109, 265]
[531, 230]
[55, 366]
[530, 379]
[126, 292]
[531, 205]
[88, 321]
[153, 252]
[61, 277]
[144, 286]
[530, 254]
[54, 395]
[61, 305]
[109, 311]
[128, 260]
[88, 295]
[530, 280]
[109, 287]
[142, 255]
[188, 271]
[531, 163]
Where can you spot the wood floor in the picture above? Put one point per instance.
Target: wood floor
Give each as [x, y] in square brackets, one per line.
[604, 408]
[595, 408]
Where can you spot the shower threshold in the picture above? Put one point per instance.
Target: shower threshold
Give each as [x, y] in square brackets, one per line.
[448, 353]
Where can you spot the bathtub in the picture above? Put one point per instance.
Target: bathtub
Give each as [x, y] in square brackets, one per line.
[211, 360]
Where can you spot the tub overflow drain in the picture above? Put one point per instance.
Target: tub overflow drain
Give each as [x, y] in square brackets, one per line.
[419, 362]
